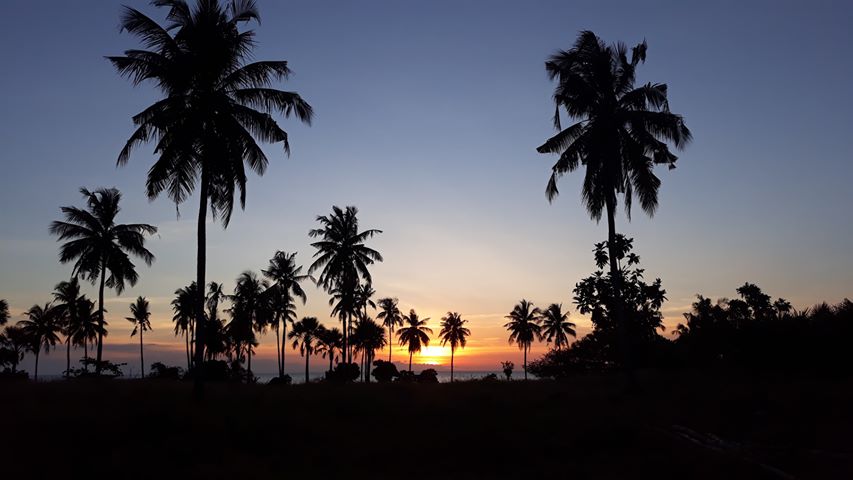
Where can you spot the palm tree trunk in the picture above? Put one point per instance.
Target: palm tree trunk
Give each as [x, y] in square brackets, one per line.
[347, 352]
[201, 260]
[278, 346]
[249, 352]
[525, 362]
[68, 357]
[367, 368]
[616, 276]
[86, 354]
[307, 358]
[36, 376]
[410, 361]
[331, 358]
[101, 316]
[390, 336]
[452, 354]
[189, 360]
[283, 346]
[141, 357]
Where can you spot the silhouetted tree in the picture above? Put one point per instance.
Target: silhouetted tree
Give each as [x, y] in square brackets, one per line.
[363, 295]
[41, 329]
[140, 320]
[185, 316]
[97, 245]
[507, 368]
[15, 339]
[85, 328]
[329, 340]
[454, 332]
[216, 104]
[250, 312]
[69, 306]
[556, 326]
[391, 318]
[415, 334]
[620, 134]
[524, 327]
[343, 260]
[4, 312]
[304, 335]
[368, 337]
[285, 276]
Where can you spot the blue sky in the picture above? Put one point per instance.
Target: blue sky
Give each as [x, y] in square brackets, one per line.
[427, 119]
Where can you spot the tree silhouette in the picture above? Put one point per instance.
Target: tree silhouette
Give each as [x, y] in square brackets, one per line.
[216, 104]
[85, 328]
[620, 134]
[97, 245]
[17, 341]
[4, 312]
[415, 334]
[140, 320]
[368, 337]
[363, 295]
[250, 312]
[391, 318]
[305, 332]
[343, 258]
[69, 308]
[556, 326]
[185, 316]
[524, 327]
[454, 332]
[507, 367]
[41, 329]
[285, 276]
[329, 340]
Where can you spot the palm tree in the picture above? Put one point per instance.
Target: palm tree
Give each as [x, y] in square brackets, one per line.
[329, 340]
[415, 334]
[140, 320]
[454, 332]
[250, 312]
[216, 104]
[305, 332]
[620, 134]
[97, 245]
[185, 316]
[41, 329]
[524, 327]
[286, 277]
[69, 304]
[86, 328]
[368, 336]
[556, 326]
[16, 340]
[4, 312]
[343, 259]
[363, 295]
[391, 318]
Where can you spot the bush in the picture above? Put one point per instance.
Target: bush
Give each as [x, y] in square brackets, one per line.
[344, 373]
[165, 372]
[90, 369]
[280, 381]
[384, 372]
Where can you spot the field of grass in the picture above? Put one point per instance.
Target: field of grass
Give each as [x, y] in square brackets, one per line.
[675, 425]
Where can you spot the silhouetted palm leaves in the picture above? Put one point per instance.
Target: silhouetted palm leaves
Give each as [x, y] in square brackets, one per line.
[4, 312]
[185, 316]
[330, 340]
[250, 312]
[368, 337]
[98, 245]
[304, 335]
[454, 332]
[41, 329]
[524, 327]
[556, 327]
[286, 277]
[415, 334]
[140, 319]
[391, 318]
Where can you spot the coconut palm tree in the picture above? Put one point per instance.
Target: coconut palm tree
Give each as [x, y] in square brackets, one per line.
[216, 105]
[4, 312]
[454, 332]
[185, 316]
[140, 319]
[68, 307]
[15, 339]
[85, 328]
[304, 335]
[391, 318]
[98, 245]
[285, 277]
[329, 340]
[556, 326]
[620, 133]
[524, 327]
[41, 328]
[368, 337]
[250, 312]
[343, 260]
[415, 334]
[363, 295]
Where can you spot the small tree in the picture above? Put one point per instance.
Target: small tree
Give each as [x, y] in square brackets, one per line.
[507, 367]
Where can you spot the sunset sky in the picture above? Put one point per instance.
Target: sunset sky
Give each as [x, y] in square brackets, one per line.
[427, 118]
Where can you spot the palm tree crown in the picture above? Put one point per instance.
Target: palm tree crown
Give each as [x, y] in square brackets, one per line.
[524, 327]
[305, 332]
[454, 332]
[140, 319]
[391, 317]
[41, 329]
[556, 327]
[415, 334]
[286, 277]
[4, 312]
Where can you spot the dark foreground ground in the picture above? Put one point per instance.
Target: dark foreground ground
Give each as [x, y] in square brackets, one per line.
[695, 425]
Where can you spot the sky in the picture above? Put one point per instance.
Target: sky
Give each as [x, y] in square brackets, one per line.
[427, 118]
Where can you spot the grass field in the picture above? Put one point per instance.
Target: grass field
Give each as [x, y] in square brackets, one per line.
[676, 425]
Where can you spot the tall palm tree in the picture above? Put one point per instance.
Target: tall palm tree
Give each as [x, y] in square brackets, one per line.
[454, 332]
[368, 336]
[86, 329]
[4, 312]
[363, 295]
[329, 340]
[391, 317]
[556, 326]
[41, 329]
[15, 339]
[415, 334]
[97, 245]
[620, 133]
[305, 332]
[250, 312]
[185, 316]
[285, 277]
[69, 305]
[141, 314]
[524, 327]
[343, 258]
[216, 103]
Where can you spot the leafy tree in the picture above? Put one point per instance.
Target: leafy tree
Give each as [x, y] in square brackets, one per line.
[343, 260]
[69, 308]
[621, 132]
[507, 368]
[140, 319]
[524, 327]
[41, 329]
[304, 335]
[368, 337]
[15, 339]
[556, 326]
[391, 318]
[85, 328]
[415, 334]
[185, 316]
[97, 245]
[329, 340]
[285, 277]
[454, 332]
[4, 312]
[250, 313]
[216, 103]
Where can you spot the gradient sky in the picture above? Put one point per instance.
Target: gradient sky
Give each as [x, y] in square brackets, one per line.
[427, 118]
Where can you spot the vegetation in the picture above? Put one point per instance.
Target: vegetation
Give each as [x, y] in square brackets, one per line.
[141, 323]
[454, 332]
[415, 334]
[524, 327]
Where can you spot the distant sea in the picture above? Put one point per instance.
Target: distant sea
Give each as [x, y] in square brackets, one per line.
[299, 376]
